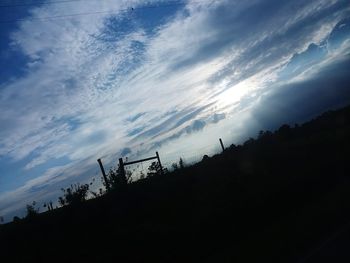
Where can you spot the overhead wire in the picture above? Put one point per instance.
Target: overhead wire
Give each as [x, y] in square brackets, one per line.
[57, 17]
[39, 19]
[43, 3]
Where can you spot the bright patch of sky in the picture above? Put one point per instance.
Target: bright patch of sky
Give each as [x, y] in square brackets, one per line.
[81, 80]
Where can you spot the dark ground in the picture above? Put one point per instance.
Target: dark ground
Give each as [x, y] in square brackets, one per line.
[283, 197]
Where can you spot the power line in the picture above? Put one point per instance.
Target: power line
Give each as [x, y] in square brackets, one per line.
[43, 19]
[60, 2]
[173, 3]
[49, 18]
[43, 3]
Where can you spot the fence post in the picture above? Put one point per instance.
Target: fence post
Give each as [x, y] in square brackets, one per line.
[160, 164]
[121, 167]
[222, 145]
[104, 174]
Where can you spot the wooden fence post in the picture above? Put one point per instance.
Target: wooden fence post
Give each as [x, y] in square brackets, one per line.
[222, 145]
[121, 167]
[104, 174]
[160, 164]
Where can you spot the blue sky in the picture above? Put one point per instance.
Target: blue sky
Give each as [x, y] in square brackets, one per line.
[81, 80]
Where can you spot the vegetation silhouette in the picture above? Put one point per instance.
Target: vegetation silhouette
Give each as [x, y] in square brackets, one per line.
[155, 169]
[49, 206]
[16, 219]
[117, 179]
[74, 195]
[276, 198]
[180, 165]
[31, 210]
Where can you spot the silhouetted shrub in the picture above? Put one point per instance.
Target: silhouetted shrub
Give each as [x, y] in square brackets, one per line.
[181, 163]
[232, 146]
[97, 194]
[31, 210]
[142, 175]
[205, 158]
[174, 166]
[117, 178]
[284, 131]
[154, 169]
[16, 219]
[75, 194]
[250, 141]
[48, 205]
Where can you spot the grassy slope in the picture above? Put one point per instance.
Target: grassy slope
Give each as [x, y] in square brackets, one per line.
[279, 198]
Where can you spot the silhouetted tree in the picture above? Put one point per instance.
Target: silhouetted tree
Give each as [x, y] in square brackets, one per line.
[261, 133]
[142, 175]
[97, 194]
[128, 176]
[284, 131]
[232, 146]
[263, 136]
[181, 163]
[48, 205]
[250, 141]
[174, 166]
[205, 158]
[154, 169]
[16, 219]
[117, 178]
[75, 194]
[31, 210]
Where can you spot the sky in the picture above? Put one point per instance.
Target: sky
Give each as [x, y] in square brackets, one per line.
[88, 79]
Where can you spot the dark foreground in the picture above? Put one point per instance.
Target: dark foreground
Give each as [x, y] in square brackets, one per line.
[284, 197]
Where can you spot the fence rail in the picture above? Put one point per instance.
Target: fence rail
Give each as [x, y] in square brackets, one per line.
[122, 164]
